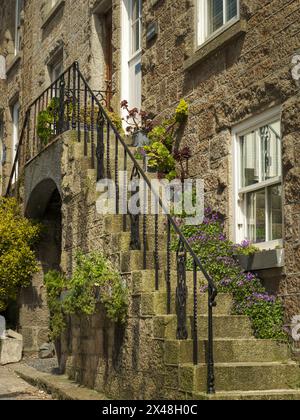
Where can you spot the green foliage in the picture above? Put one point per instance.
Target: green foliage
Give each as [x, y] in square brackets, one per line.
[116, 120]
[46, 120]
[55, 283]
[160, 158]
[217, 254]
[17, 259]
[246, 249]
[182, 112]
[94, 280]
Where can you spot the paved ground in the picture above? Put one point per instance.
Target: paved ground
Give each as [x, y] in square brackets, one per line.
[14, 388]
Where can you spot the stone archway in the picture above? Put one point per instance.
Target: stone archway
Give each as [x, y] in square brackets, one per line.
[43, 205]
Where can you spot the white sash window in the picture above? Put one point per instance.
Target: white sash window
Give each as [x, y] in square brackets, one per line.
[214, 16]
[258, 177]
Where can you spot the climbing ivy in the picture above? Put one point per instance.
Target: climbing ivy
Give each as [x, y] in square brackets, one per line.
[17, 258]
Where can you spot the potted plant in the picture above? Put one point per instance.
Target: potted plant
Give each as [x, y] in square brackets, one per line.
[139, 125]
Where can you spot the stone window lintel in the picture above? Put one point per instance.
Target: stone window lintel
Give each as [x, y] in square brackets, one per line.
[212, 45]
[13, 64]
[59, 5]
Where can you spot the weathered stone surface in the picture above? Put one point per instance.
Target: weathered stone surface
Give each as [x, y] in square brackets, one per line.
[11, 350]
[2, 327]
[47, 351]
[14, 334]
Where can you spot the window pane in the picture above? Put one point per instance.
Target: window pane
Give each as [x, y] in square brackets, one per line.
[136, 41]
[256, 216]
[271, 150]
[215, 15]
[250, 159]
[231, 11]
[275, 212]
[135, 9]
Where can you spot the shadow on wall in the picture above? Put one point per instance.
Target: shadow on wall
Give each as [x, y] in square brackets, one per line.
[219, 61]
[44, 206]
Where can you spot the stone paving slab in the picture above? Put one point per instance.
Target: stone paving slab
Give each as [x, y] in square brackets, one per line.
[12, 387]
[60, 387]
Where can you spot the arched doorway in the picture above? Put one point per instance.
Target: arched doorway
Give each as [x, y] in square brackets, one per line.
[44, 206]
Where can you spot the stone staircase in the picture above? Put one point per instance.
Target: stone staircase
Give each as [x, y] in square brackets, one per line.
[245, 368]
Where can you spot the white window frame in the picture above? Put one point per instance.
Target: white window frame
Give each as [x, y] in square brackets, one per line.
[129, 59]
[239, 214]
[15, 135]
[133, 53]
[202, 22]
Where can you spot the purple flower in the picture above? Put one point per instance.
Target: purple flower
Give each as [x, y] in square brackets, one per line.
[250, 276]
[245, 244]
[225, 282]
[262, 297]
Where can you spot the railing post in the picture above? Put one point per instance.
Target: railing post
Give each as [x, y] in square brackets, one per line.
[135, 241]
[195, 315]
[181, 292]
[210, 357]
[100, 146]
[61, 105]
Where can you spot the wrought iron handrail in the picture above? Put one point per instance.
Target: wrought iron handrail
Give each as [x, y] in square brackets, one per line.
[84, 108]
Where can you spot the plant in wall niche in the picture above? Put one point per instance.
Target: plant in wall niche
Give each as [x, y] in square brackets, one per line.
[217, 253]
[94, 275]
[17, 258]
[94, 281]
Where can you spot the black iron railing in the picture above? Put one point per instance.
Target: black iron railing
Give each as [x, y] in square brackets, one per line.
[70, 104]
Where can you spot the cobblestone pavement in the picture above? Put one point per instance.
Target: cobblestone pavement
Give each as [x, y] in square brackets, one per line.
[14, 388]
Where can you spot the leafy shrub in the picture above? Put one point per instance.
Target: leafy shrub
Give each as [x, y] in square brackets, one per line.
[17, 259]
[55, 283]
[217, 254]
[46, 120]
[94, 280]
[160, 158]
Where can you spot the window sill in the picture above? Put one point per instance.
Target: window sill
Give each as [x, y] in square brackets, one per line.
[13, 64]
[227, 35]
[59, 5]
